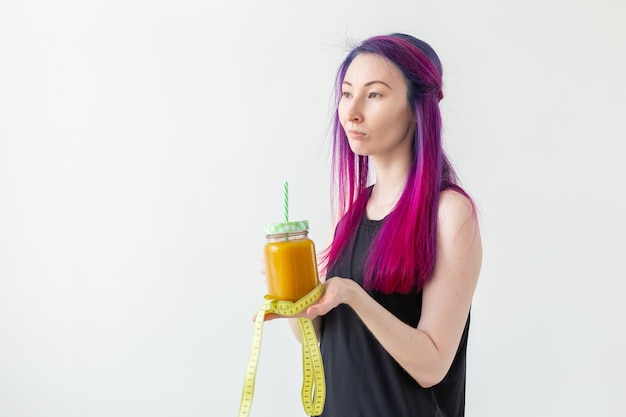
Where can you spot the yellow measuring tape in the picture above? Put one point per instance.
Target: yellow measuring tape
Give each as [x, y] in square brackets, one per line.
[313, 383]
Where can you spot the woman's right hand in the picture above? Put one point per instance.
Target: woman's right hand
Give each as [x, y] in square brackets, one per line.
[263, 269]
[263, 272]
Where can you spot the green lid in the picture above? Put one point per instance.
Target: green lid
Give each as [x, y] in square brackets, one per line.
[289, 227]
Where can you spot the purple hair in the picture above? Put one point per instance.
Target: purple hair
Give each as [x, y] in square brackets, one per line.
[402, 256]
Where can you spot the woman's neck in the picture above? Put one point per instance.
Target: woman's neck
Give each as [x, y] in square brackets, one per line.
[390, 183]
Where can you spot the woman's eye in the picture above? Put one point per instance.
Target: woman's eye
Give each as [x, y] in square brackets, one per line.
[346, 94]
[375, 95]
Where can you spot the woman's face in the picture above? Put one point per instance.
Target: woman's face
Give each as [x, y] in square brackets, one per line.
[374, 110]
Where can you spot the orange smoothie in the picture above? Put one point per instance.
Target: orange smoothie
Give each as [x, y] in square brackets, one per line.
[291, 267]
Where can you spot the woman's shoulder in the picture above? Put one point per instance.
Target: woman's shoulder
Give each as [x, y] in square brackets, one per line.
[456, 210]
[455, 200]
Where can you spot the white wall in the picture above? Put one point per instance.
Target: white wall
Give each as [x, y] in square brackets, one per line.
[143, 145]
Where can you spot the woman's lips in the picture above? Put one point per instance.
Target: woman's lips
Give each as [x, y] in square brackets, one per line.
[356, 134]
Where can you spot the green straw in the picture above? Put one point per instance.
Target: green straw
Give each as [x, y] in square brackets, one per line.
[286, 201]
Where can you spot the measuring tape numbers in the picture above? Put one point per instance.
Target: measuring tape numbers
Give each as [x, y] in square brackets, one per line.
[313, 383]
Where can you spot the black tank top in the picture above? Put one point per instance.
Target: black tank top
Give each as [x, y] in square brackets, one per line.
[362, 379]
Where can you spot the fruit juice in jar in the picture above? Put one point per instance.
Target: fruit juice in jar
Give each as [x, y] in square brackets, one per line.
[290, 261]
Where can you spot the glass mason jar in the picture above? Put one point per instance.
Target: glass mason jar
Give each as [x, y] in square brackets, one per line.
[290, 261]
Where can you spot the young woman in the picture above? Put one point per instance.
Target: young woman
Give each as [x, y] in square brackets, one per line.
[404, 263]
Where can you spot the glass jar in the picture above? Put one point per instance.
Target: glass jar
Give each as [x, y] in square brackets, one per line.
[290, 261]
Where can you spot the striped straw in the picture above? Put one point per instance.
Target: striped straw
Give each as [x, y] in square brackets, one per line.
[286, 201]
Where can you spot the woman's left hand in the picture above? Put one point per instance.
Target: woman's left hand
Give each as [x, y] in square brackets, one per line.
[337, 291]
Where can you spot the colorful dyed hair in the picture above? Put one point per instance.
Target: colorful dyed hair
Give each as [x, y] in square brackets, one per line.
[402, 256]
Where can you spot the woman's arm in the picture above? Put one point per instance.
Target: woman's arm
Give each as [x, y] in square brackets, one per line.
[425, 352]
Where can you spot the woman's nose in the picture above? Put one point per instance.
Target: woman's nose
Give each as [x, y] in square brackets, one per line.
[355, 113]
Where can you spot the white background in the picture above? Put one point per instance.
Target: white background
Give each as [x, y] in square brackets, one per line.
[143, 146]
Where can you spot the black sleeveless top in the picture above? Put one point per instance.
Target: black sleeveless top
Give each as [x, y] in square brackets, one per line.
[362, 379]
